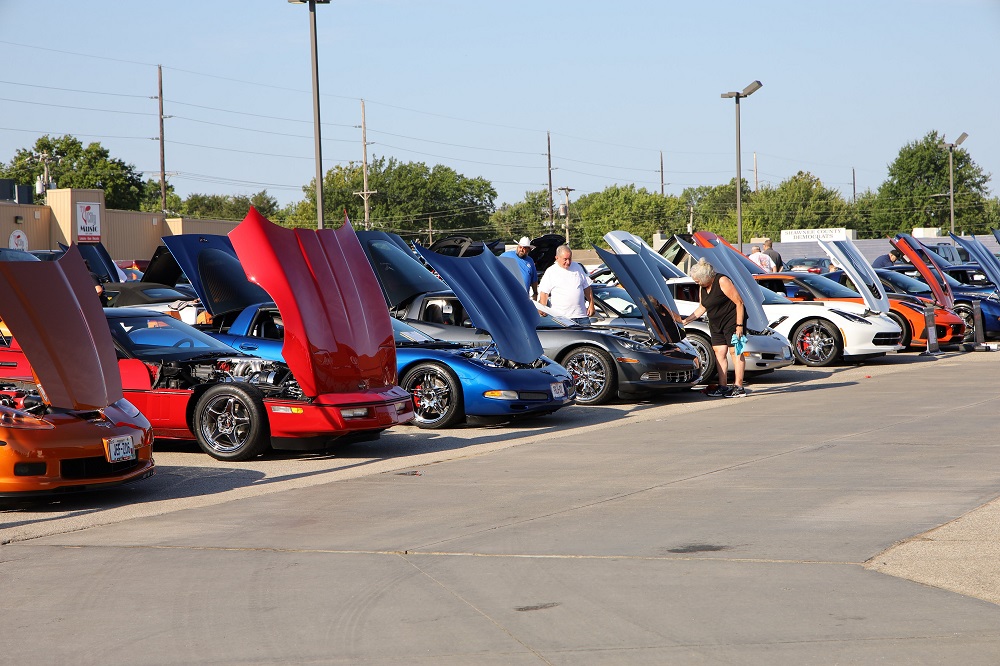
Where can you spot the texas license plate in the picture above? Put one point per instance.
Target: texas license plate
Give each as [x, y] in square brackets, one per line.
[558, 390]
[118, 449]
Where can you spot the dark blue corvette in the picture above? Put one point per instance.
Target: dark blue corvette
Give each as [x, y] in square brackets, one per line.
[449, 381]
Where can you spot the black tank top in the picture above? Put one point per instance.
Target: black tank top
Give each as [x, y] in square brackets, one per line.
[720, 309]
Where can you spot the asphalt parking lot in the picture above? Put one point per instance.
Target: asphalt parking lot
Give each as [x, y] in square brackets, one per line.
[834, 516]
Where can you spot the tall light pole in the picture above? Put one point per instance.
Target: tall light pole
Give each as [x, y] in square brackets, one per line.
[746, 92]
[951, 173]
[316, 129]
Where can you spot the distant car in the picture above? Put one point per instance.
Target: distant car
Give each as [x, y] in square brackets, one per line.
[463, 246]
[64, 422]
[808, 265]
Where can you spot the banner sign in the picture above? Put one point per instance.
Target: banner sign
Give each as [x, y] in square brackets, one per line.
[796, 235]
[88, 222]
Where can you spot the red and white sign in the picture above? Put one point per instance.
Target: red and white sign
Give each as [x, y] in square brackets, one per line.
[88, 222]
[18, 240]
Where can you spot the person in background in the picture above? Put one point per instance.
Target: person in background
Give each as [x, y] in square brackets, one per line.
[726, 316]
[761, 259]
[528, 271]
[775, 256]
[886, 260]
[565, 288]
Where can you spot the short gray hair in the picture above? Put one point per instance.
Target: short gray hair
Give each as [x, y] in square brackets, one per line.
[563, 250]
[702, 271]
[754, 248]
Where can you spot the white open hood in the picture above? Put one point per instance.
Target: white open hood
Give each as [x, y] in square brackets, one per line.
[849, 259]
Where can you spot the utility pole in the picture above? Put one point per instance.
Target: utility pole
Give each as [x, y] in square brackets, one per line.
[691, 219]
[548, 140]
[854, 186]
[663, 187]
[566, 191]
[364, 166]
[430, 231]
[163, 162]
[755, 171]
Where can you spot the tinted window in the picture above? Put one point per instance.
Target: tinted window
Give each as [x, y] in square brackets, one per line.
[618, 300]
[904, 283]
[162, 338]
[828, 288]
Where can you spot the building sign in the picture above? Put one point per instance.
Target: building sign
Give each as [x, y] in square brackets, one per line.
[796, 235]
[88, 222]
[18, 240]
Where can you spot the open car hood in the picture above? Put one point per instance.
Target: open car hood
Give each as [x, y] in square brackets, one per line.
[400, 274]
[51, 309]
[494, 299]
[623, 242]
[163, 267]
[635, 273]
[726, 260]
[215, 272]
[928, 268]
[709, 240]
[97, 258]
[987, 261]
[846, 255]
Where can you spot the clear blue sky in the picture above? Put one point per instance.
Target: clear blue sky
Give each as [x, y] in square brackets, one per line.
[475, 85]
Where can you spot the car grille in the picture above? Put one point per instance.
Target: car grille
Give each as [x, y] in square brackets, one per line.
[958, 329]
[94, 468]
[887, 339]
[673, 376]
[532, 395]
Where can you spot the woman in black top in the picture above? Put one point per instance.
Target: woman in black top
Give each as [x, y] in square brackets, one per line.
[719, 299]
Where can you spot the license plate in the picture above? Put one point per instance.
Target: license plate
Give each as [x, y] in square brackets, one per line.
[118, 449]
[558, 390]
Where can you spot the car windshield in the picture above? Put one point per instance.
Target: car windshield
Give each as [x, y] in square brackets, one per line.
[827, 288]
[403, 333]
[618, 300]
[772, 298]
[810, 262]
[904, 283]
[162, 338]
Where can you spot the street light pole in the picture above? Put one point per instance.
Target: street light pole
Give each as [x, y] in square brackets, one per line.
[315, 86]
[746, 92]
[951, 173]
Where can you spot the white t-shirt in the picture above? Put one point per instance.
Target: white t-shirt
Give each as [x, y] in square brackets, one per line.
[763, 261]
[565, 289]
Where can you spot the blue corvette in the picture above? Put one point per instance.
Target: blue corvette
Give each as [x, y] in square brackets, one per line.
[449, 381]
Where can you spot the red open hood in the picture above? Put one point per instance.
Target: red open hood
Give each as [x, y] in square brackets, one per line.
[338, 335]
[929, 271]
[51, 309]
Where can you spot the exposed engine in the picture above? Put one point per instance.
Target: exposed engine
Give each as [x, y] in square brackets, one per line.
[490, 356]
[23, 396]
[272, 378]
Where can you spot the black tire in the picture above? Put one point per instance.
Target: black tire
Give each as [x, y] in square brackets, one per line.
[437, 395]
[904, 326]
[964, 311]
[594, 372]
[816, 343]
[230, 422]
[706, 353]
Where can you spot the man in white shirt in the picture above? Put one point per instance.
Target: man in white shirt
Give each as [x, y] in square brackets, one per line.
[565, 288]
[761, 259]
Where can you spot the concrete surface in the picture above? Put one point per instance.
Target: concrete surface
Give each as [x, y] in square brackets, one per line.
[685, 530]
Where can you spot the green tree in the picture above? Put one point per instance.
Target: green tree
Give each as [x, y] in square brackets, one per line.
[73, 165]
[916, 192]
[800, 202]
[525, 218]
[151, 200]
[230, 207]
[410, 197]
[715, 207]
[624, 207]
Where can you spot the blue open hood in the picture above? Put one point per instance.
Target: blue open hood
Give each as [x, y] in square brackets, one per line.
[215, 272]
[979, 252]
[731, 264]
[494, 299]
[647, 289]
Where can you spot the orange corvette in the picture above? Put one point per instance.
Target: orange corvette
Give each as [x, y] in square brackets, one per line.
[67, 427]
[906, 311]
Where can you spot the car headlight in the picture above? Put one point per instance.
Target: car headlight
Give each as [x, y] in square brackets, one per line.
[850, 316]
[633, 345]
[127, 408]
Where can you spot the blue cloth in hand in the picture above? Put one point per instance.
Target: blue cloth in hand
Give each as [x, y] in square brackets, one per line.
[739, 342]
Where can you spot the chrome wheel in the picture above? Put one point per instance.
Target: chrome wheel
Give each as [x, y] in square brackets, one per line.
[705, 354]
[816, 343]
[965, 312]
[436, 395]
[230, 422]
[593, 374]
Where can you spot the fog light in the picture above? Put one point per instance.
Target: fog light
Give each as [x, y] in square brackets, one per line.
[29, 469]
[501, 395]
[650, 377]
[285, 409]
[354, 412]
[403, 406]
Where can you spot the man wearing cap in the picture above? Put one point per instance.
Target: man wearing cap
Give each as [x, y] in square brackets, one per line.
[529, 274]
[886, 260]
